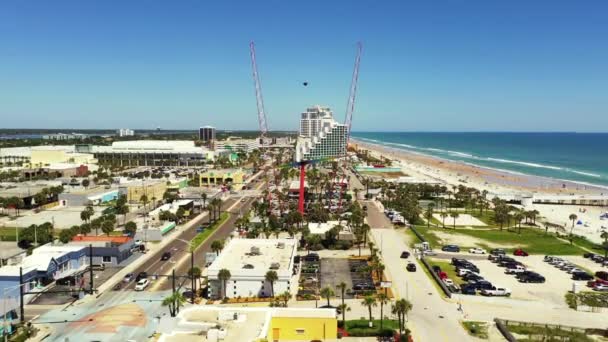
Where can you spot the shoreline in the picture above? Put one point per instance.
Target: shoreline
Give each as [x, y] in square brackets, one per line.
[454, 172]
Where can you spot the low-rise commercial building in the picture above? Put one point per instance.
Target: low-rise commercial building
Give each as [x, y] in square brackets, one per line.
[237, 324]
[222, 176]
[235, 145]
[106, 250]
[154, 189]
[65, 136]
[83, 197]
[248, 260]
[152, 153]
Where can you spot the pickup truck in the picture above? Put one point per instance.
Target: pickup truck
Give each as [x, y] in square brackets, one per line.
[499, 292]
[515, 269]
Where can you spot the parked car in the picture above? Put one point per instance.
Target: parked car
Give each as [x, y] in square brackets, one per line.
[166, 256]
[472, 277]
[588, 255]
[530, 277]
[311, 257]
[405, 255]
[142, 284]
[128, 277]
[448, 282]
[436, 268]
[595, 282]
[600, 287]
[450, 248]
[463, 271]
[498, 292]
[477, 250]
[481, 285]
[602, 275]
[520, 252]
[498, 251]
[515, 269]
[468, 290]
[411, 267]
[581, 276]
[141, 275]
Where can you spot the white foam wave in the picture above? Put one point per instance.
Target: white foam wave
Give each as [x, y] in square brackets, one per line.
[585, 173]
[542, 166]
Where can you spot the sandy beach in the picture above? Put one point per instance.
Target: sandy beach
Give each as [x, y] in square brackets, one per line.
[451, 173]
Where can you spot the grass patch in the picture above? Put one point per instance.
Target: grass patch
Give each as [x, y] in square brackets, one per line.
[582, 242]
[360, 327]
[201, 237]
[8, 234]
[533, 240]
[476, 329]
[446, 267]
[548, 333]
[589, 298]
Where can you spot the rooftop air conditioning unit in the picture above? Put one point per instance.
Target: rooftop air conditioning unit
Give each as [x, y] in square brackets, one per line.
[255, 251]
[281, 245]
[275, 266]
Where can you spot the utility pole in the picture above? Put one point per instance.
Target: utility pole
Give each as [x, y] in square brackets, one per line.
[173, 292]
[192, 295]
[90, 269]
[21, 306]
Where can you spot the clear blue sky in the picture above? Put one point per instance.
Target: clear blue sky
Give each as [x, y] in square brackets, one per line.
[469, 65]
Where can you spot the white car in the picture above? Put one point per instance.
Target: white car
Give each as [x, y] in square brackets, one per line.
[502, 292]
[448, 282]
[142, 284]
[477, 250]
[462, 271]
[600, 287]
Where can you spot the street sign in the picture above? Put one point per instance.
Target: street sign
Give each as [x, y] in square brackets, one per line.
[385, 284]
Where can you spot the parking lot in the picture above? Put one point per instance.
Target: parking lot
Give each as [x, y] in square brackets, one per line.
[333, 272]
[557, 282]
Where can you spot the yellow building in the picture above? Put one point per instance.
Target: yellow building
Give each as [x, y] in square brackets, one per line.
[303, 325]
[219, 177]
[153, 189]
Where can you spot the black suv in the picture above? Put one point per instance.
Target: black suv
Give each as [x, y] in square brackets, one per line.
[472, 277]
[405, 255]
[450, 248]
[498, 251]
[411, 267]
[481, 285]
[581, 276]
[530, 277]
[468, 290]
[166, 256]
[602, 275]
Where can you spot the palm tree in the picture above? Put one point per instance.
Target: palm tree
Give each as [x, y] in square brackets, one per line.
[443, 216]
[382, 299]
[369, 301]
[217, 246]
[401, 308]
[271, 277]
[342, 288]
[573, 218]
[224, 275]
[204, 199]
[454, 215]
[344, 307]
[604, 236]
[144, 199]
[518, 217]
[174, 301]
[428, 215]
[327, 293]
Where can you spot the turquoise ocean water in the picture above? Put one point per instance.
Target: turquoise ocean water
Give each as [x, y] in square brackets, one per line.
[577, 157]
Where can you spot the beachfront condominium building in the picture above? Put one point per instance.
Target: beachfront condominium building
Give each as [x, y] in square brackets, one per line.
[125, 132]
[206, 133]
[321, 137]
[314, 119]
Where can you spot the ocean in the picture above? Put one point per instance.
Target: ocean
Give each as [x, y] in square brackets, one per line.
[577, 157]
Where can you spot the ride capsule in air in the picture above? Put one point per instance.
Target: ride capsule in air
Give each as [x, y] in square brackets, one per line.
[305, 84]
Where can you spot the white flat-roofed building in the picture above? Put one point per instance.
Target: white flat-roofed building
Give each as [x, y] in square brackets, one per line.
[236, 145]
[248, 261]
[125, 132]
[152, 153]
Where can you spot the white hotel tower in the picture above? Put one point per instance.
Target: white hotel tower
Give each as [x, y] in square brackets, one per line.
[320, 135]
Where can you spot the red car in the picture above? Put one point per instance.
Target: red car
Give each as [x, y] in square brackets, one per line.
[592, 283]
[520, 252]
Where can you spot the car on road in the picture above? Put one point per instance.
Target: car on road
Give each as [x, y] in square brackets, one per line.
[498, 292]
[477, 250]
[141, 275]
[128, 277]
[411, 267]
[142, 284]
[600, 287]
[520, 252]
[166, 256]
[405, 255]
[581, 276]
[450, 248]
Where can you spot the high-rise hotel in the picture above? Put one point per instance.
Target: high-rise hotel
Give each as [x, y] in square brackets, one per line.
[321, 137]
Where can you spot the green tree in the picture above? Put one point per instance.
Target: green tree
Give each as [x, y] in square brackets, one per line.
[443, 216]
[217, 246]
[327, 292]
[224, 275]
[382, 299]
[454, 215]
[369, 302]
[573, 218]
[131, 228]
[271, 277]
[65, 235]
[85, 216]
[174, 302]
[604, 236]
[107, 227]
[401, 308]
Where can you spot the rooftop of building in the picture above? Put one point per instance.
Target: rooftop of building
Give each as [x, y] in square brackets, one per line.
[241, 252]
[39, 259]
[102, 238]
[160, 146]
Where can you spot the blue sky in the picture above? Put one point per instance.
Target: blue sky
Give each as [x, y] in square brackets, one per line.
[427, 65]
